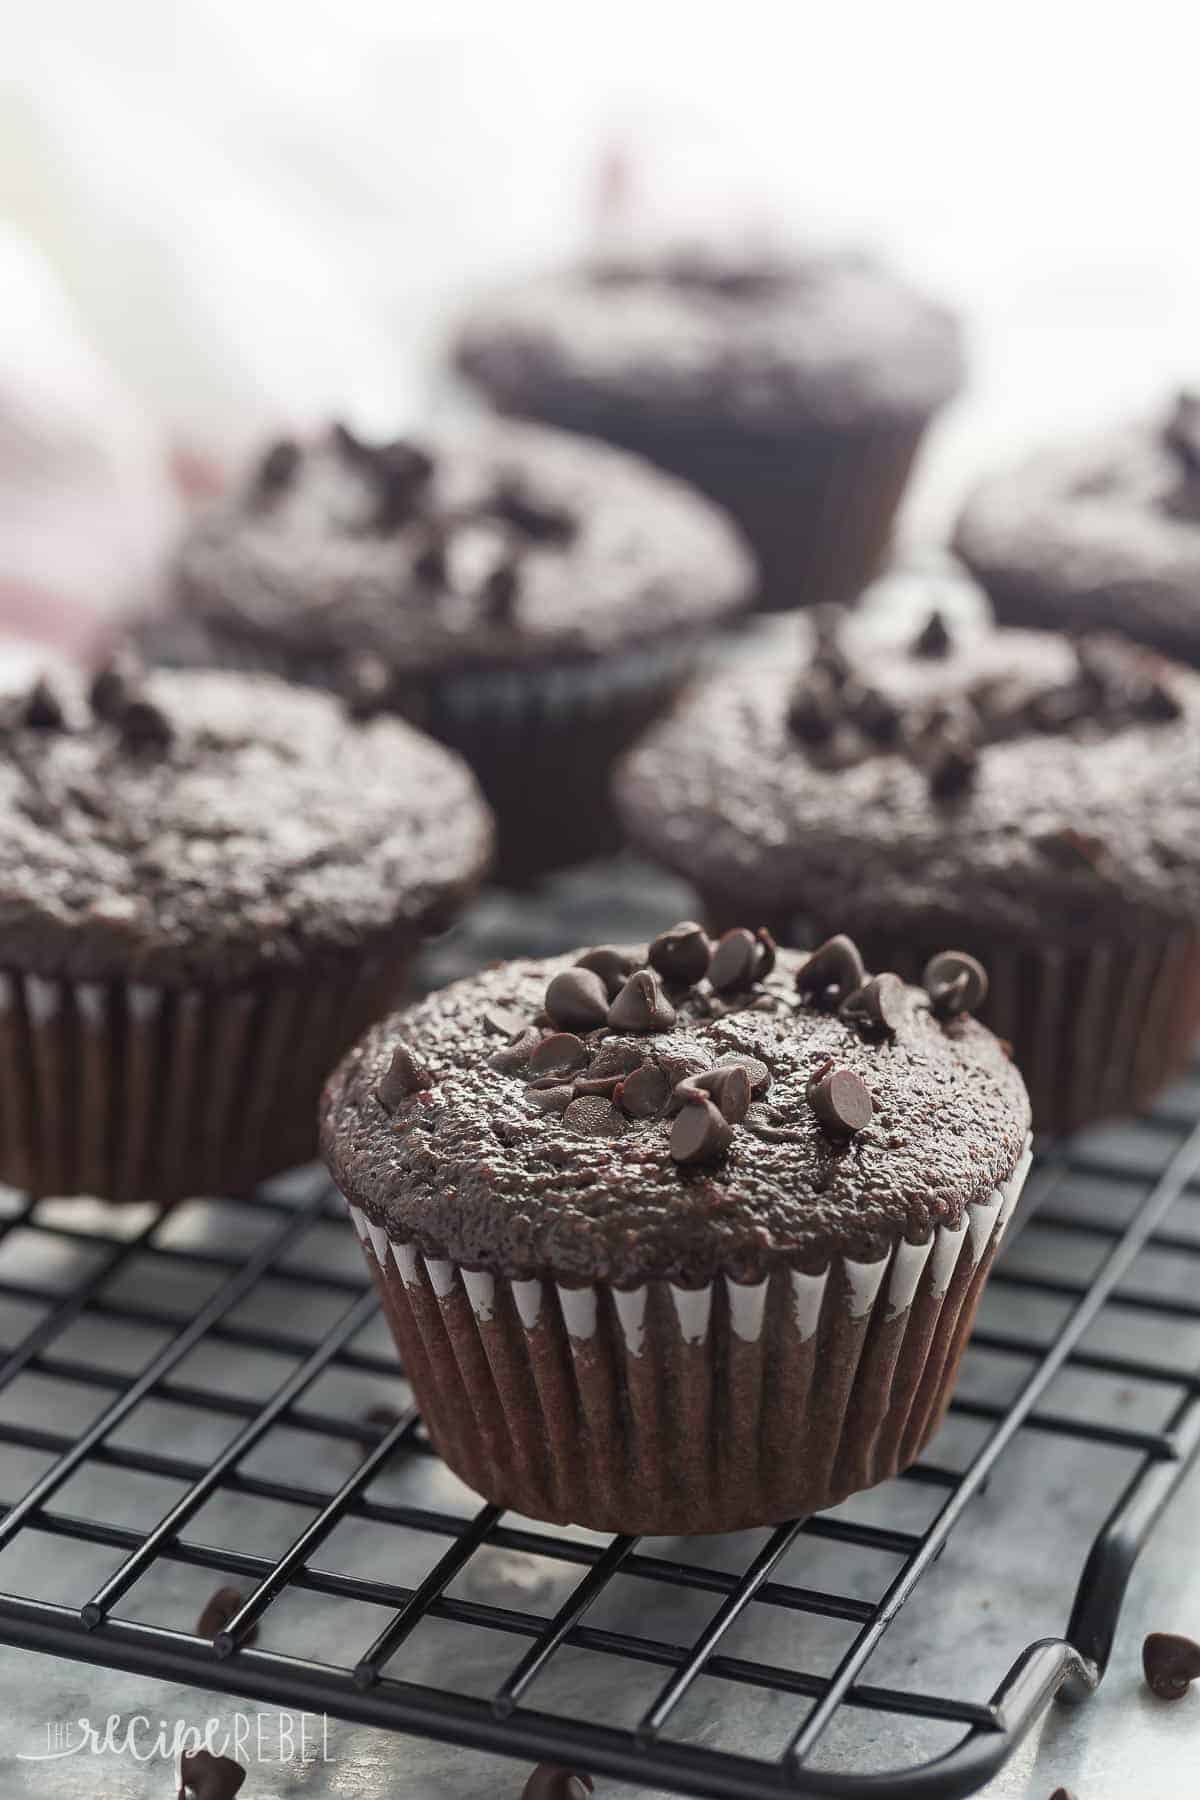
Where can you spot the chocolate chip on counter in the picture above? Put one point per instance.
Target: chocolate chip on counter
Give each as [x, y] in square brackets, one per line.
[1158, 704]
[1061, 1793]
[1170, 1663]
[504, 1023]
[617, 1056]
[681, 955]
[841, 1100]
[577, 1000]
[277, 469]
[700, 1133]
[42, 709]
[500, 592]
[366, 685]
[598, 1084]
[641, 1005]
[878, 1005]
[644, 1093]
[550, 1782]
[203, 1776]
[740, 958]
[401, 1080]
[613, 966]
[729, 1086]
[113, 685]
[540, 520]
[760, 1075]
[516, 1053]
[594, 1117]
[219, 1608]
[955, 982]
[401, 471]
[834, 970]
[933, 639]
[562, 1053]
[550, 1095]
[145, 726]
[952, 766]
[876, 716]
[1182, 432]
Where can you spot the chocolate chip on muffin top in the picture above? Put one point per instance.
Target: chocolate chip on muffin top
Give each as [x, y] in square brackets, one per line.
[204, 827]
[366, 565]
[893, 771]
[804, 1108]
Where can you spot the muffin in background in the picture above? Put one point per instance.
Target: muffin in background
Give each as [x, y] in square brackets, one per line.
[1031, 800]
[794, 389]
[209, 885]
[531, 600]
[1099, 534]
[679, 1238]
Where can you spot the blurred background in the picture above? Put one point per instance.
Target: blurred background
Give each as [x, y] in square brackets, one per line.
[219, 217]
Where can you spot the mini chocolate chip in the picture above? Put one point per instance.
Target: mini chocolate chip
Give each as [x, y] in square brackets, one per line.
[644, 1093]
[542, 521]
[562, 1053]
[401, 1080]
[933, 639]
[952, 767]
[203, 1776]
[700, 1133]
[594, 1116]
[681, 955]
[1182, 432]
[956, 983]
[43, 710]
[876, 716]
[841, 1100]
[878, 1004]
[551, 1095]
[577, 1000]
[277, 469]
[366, 685]
[735, 961]
[729, 1086]
[551, 1782]
[834, 970]
[1171, 1663]
[145, 726]
[1062, 1793]
[641, 1005]
[760, 1075]
[401, 471]
[113, 684]
[219, 1608]
[616, 1056]
[504, 1023]
[613, 966]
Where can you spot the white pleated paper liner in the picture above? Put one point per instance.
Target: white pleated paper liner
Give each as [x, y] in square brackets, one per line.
[662, 1409]
[131, 1092]
[1097, 1032]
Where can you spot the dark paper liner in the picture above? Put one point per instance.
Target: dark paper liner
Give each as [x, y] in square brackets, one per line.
[136, 1093]
[664, 1410]
[817, 504]
[1096, 1033]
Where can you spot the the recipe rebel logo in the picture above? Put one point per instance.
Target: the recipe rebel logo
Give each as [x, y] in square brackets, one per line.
[247, 1738]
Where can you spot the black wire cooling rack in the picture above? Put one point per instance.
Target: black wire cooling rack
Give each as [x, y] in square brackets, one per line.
[249, 1335]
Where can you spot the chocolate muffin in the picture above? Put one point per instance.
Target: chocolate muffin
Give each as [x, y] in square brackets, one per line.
[1099, 534]
[209, 885]
[1032, 800]
[684, 1238]
[794, 389]
[531, 600]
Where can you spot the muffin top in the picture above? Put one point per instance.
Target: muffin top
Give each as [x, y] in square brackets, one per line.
[374, 565]
[765, 339]
[676, 1111]
[886, 777]
[205, 827]
[1099, 533]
